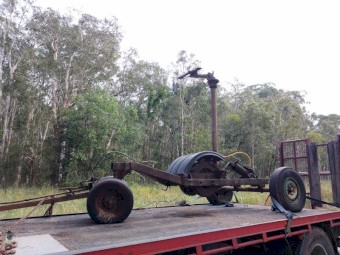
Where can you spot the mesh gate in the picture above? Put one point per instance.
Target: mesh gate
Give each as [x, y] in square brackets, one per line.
[294, 154]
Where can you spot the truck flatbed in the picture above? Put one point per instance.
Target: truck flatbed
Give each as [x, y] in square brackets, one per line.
[156, 230]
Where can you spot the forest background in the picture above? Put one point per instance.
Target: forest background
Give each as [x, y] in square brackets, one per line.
[68, 95]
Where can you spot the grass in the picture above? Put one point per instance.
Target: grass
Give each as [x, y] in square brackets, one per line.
[16, 194]
[151, 195]
[326, 193]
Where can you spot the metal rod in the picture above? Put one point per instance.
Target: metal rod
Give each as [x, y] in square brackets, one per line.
[53, 199]
[213, 85]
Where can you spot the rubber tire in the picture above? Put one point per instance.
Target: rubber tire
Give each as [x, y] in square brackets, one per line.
[315, 242]
[220, 197]
[119, 201]
[278, 191]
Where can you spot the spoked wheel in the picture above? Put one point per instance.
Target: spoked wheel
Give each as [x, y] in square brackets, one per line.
[315, 242]
[287, 187]
[109, 201]
[220, 197]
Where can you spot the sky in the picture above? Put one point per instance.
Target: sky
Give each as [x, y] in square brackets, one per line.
[294, 44]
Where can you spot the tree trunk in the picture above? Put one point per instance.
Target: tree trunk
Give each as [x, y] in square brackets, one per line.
[67, 81]
[108, 145]
[23, 147]
[182, 120]
[5, 127]
[54, 176]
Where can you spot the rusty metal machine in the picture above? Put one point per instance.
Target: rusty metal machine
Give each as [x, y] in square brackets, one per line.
[110, 200]
[203, 173]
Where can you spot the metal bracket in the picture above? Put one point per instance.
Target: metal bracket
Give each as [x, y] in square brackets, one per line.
[212, 81]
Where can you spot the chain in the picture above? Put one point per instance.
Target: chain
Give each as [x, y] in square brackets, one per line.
[11, 227]
[7, 247]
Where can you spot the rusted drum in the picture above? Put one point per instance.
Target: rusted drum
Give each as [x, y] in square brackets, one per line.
[184, 164]
[201, 165]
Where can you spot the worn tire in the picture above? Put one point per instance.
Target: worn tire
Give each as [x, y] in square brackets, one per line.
[109, 201]
[315, 242]
[287, 187]
[220, 197]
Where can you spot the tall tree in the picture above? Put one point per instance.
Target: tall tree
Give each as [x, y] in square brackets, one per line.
[263, 117]
[47, 60]
[93, 125]
[328, 126]
[143, 85]
[74, 55]
[15, 48]
[189, 108]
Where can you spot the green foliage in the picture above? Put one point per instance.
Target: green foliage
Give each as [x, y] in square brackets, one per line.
[259, 117]
[93, 125]
[315, 137]
[328, 126]
[68, 95]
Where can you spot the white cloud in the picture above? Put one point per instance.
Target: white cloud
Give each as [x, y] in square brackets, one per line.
[294, 44]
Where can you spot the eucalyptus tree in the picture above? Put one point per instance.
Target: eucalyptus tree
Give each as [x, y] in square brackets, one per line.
[93, 125]
[231, 125]
[74, 54]
[328, 126]
[263, 117]
[188, 109]
[141, 86]
[47, 59]
[15, 53]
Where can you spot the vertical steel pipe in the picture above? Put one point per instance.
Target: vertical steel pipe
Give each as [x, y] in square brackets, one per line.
[213, 85]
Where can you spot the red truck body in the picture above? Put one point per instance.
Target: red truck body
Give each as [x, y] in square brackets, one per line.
[196, 229]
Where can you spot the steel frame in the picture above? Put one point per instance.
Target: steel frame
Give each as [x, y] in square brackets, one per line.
[120, 170]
